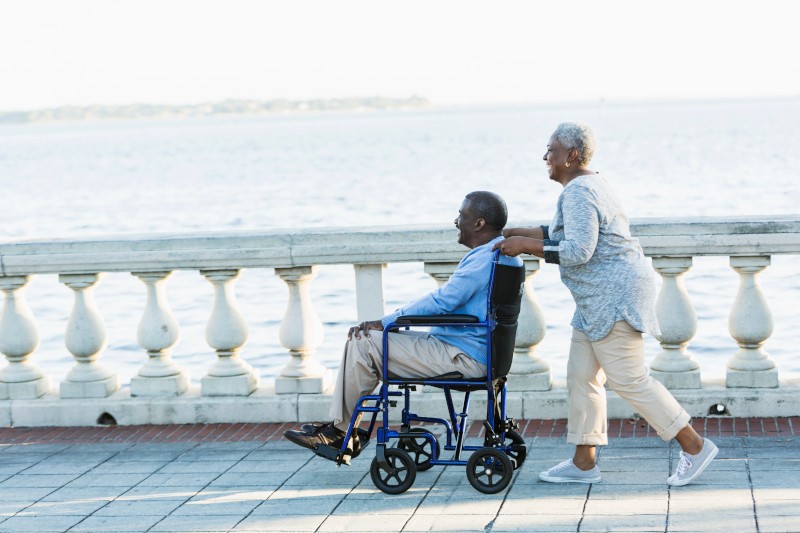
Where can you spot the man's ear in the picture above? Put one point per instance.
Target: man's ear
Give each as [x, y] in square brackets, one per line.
[480, 224]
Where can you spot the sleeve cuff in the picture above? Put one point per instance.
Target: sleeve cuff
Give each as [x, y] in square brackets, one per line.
[546, 232]
[551, 254]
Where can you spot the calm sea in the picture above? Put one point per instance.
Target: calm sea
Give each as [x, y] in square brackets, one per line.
[667, 160]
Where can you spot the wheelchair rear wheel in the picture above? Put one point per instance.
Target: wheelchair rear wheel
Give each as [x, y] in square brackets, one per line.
[419, 448]
[400, 476]
[517, 451]
[489, 470]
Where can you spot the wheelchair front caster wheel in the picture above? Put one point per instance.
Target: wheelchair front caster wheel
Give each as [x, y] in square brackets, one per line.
[400, 475]
[419, 448]
[489, 470]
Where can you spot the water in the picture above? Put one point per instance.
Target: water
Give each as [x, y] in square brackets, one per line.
[667, 160]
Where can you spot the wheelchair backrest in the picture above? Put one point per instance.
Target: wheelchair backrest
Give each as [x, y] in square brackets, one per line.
[504, 305]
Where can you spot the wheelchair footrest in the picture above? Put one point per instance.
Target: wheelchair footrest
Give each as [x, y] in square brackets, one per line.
[338, 456]
[332, 454]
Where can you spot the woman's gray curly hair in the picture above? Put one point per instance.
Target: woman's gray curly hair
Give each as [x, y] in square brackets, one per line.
[576, 136]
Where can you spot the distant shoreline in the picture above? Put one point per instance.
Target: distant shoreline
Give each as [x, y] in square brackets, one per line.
[208, 109]
[282, 107]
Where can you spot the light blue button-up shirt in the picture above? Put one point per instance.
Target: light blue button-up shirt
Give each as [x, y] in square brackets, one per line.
[466, 292]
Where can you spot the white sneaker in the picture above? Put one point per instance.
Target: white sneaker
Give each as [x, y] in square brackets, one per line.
[567, 472]
[691, 466]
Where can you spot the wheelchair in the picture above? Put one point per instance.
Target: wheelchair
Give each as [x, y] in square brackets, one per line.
[489, 467]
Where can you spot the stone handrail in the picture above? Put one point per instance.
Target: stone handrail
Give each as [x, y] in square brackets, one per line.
[282, 248]
[295, 255]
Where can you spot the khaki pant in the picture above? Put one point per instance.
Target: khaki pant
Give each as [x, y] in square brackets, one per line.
[619, 357]
[412, 354]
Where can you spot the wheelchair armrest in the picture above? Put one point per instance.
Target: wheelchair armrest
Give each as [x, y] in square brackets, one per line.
[410, 320]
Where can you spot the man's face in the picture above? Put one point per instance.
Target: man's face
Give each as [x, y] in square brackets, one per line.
[465, 221]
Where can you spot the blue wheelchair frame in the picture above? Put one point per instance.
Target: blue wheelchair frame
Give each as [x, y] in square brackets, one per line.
[496, 424]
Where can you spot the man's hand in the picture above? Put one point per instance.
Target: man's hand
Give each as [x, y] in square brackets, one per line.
[365, 327]
[513, 246]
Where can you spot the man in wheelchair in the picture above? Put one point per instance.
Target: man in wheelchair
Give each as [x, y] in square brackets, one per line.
[415, 354]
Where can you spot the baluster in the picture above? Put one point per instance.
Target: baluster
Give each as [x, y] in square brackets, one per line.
[226, 332]
[674, 366]
[19, 338]
[440, 272]
[750, 324]
[301, 333]
[86, 339]
[369, 291]
[158, 332]
[528, 370]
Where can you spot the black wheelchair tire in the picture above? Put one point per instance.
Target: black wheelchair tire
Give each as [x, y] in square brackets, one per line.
[416, 448]
[398, 481]
[519, 452]
[489, 470]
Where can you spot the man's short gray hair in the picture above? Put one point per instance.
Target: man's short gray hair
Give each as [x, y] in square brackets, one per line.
[577, 136]
[490, 207]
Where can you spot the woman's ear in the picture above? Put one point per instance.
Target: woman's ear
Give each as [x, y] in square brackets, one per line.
[572, 156]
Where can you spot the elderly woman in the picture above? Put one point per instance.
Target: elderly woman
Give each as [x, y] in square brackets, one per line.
[613, 286]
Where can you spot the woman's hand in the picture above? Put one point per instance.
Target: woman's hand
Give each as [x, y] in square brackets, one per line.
[365, 327]
[513, 246]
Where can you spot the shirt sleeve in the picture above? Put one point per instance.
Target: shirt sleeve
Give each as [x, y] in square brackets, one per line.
[545, 232]
[581, 215]
[469, 278]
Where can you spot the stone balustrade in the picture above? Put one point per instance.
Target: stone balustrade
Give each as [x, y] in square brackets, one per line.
[233, 391]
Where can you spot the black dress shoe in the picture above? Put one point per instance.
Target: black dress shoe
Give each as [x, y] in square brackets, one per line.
[322, 435]
[315, 435]
[312, 427]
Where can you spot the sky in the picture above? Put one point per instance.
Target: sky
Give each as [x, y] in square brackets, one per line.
[85, 52]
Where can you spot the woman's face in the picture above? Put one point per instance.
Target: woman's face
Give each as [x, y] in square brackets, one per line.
[556, 159]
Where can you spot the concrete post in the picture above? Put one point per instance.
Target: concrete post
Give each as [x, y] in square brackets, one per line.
[226, 332]
[85, 338]
[301, 333]
[440, 272]
[158, 333]
[750, 324]
[529, 371]
[674, 366]
[369, 291]
[19, 338]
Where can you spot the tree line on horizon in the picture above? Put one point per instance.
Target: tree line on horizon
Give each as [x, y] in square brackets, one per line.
[224, 107]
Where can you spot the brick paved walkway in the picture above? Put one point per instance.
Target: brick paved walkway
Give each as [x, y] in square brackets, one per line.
[710, 427]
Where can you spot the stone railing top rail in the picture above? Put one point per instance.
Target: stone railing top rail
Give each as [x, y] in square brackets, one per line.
[283, 248]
